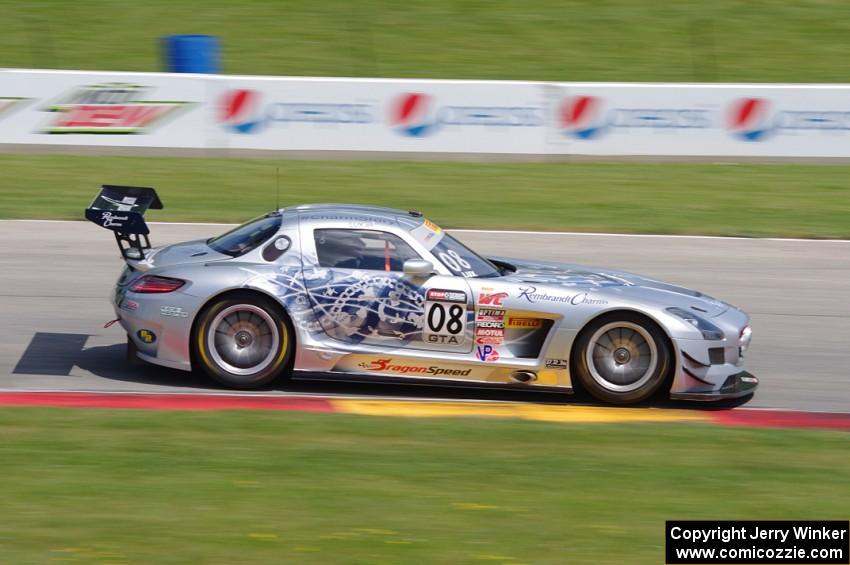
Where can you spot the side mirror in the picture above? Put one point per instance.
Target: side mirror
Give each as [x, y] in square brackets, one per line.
[418, 268]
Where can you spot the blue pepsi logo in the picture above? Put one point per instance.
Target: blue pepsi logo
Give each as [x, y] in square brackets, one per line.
[409, 114]
[748, 119]
[239, 111]
[581, 117]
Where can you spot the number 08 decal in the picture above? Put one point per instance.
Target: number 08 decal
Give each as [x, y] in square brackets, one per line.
[445, 317]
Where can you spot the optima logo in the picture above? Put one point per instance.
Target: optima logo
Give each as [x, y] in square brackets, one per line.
[241, 111]
[415, 114]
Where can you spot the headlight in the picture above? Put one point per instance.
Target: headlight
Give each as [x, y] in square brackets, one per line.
[707, 329]
[745, 337]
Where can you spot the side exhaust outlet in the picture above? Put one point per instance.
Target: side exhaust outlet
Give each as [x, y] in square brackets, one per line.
[523, 377]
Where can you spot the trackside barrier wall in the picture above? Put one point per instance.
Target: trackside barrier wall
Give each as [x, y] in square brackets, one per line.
[215, 114]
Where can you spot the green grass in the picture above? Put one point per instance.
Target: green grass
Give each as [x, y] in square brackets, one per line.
[629, 40]
[89, 486]
[752, 200]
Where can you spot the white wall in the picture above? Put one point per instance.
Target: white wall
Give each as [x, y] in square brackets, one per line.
[503, 118]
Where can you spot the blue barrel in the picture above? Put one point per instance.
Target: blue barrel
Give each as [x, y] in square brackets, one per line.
[191, 54]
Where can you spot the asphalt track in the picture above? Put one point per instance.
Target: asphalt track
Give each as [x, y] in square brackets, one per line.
[55, 279]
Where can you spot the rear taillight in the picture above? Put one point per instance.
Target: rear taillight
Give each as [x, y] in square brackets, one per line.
[155, 284]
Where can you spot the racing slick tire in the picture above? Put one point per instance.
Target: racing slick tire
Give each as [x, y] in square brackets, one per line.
[621, 358]
[243, 341]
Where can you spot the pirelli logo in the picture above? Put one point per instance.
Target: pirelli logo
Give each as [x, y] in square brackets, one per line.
[528, 323]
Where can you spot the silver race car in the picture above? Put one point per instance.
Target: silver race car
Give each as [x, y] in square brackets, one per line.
[373, 293]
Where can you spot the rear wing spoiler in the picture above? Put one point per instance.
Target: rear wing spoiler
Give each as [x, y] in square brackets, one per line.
[121, 209]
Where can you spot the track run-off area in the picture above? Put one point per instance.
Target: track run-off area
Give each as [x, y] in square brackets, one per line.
[56, 278]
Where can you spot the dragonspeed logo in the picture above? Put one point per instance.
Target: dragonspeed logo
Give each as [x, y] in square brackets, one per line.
[109, 108]
[243, 111]
[588, 118]
[415, 114]
[387, 366]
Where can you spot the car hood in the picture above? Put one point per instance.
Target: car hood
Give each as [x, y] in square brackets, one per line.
[561, 276]
[178, 254]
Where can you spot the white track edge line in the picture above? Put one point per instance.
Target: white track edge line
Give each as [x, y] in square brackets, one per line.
[518, 232]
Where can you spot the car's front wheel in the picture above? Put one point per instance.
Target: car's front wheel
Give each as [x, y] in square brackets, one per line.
[242, 341]
[621, 358]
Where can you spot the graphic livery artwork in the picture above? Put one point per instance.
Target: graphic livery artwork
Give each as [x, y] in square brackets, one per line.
[109, 108]
[371, 293]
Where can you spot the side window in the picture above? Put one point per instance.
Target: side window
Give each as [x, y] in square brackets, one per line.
[361, 249]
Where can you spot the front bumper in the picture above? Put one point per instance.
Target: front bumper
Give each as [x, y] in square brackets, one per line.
[735, 386]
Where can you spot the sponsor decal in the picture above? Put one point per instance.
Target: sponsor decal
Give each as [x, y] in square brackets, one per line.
[491, 324]
[174, 311]
[581, 117]
[146, 336]
[415, 114]
[354, 221]
[493, 336]
[7, 104]
[747, 119]
[445, 316]
[530, 323]
[753, 119]
[428, 234]
[111, 220]
[530, 293]
[441, 295]
[242, 111]
[109, 108]
[387, 365]
[486, 353]
[557, 363]
[128, 304]
[491, 298]
[124, 205]
[585, 117]
[490, 314]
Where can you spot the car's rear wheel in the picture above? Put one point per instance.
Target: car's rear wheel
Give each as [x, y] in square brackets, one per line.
[621, 358]
[242, 341]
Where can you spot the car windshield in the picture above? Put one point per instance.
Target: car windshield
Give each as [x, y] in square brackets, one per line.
[461, 260]
[248, 236]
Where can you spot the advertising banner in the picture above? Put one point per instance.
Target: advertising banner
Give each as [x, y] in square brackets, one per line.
[701, 120]
[101, 109]
[223, 114]
[379, 115]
